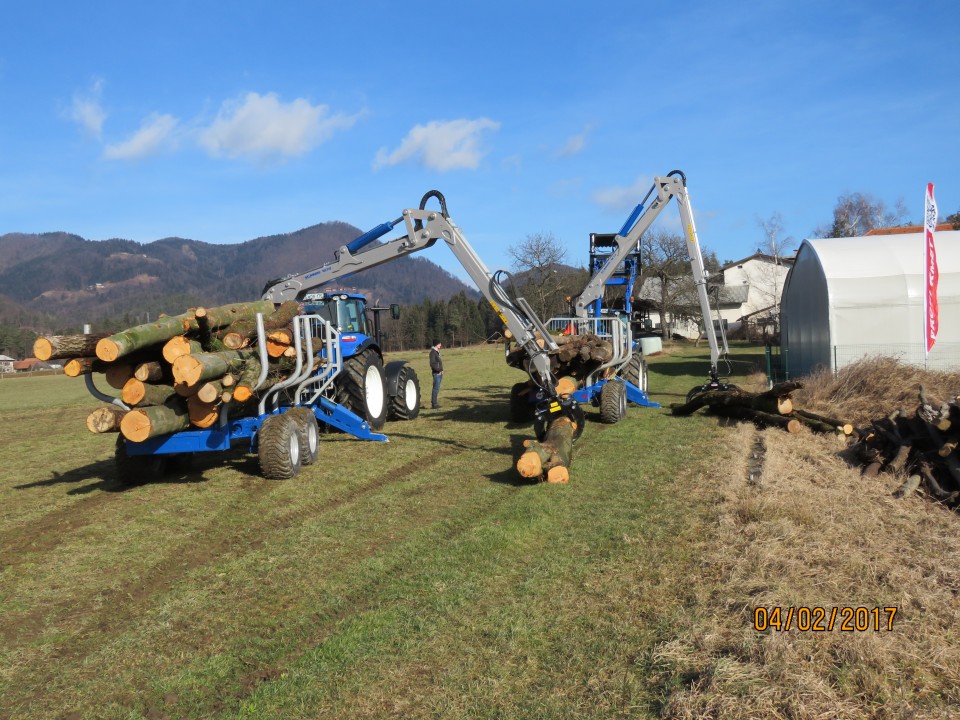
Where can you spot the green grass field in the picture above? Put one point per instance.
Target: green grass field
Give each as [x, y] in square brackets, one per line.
[415, 578]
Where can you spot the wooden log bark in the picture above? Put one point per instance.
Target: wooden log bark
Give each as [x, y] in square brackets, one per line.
[55, 347]
[790, 424]
[761, 402]
[549, 459]
[143, 423]
[117, 374]
[242, 331]
[137, 393]
[839, 425]
[209, 391]
[83, 366]
[279, 342]
[105, 419]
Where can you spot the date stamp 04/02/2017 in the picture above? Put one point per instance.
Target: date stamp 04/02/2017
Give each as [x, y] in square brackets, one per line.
[824, 619]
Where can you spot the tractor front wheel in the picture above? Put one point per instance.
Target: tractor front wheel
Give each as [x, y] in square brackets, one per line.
[362, 388]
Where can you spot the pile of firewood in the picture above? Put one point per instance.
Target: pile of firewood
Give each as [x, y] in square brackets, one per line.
[180, 371]
[922, 446]
[773, 407]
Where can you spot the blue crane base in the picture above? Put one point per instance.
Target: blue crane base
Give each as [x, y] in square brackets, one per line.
[591, 394]
[222, 437]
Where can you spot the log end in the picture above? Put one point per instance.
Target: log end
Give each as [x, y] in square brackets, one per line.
[794, 426]
[133, 391]
[107, 350]
[135, 426]
[529, 465]
[558, 474]
[187, 369]
[42, 349]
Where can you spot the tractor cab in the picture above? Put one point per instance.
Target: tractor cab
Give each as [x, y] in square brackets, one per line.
[347, 312]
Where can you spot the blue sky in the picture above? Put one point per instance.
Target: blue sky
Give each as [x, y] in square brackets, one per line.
[223, 122]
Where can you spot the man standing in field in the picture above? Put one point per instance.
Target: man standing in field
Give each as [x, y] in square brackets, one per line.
[436, 366]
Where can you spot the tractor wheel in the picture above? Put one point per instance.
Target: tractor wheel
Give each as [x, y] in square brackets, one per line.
[636, 371]
[405, 405]
[308, 432]
[521, 409]
[278, 446]
[613, 402]
[362, 388]
[137, 469]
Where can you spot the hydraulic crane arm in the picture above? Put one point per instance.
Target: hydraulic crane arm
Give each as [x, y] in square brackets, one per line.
[423, 229]
[671, 186]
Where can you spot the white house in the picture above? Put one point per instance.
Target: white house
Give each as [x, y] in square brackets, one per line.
[6, 364]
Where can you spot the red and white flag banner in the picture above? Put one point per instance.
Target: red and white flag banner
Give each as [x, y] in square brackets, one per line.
[931, 274]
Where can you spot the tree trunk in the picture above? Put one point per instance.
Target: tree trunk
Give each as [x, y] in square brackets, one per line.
[117, 374]
[83, 366]
[209, 391]
[151, 371]
[105, 419]
[202, 414]
[142, 336]
[551, 457]
[147, 422]
[191, 369]
[54, 347]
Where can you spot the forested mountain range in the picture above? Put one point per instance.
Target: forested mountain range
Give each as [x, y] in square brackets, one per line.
[56, 282]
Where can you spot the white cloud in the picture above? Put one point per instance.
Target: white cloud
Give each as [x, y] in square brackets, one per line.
[261, 126]
[155, 132]
[86, 110]
[441, 146]
[574, 144]
[622, 198]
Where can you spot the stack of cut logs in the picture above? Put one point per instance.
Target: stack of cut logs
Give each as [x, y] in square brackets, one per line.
[577, 356]
[181, 370]
[773, 407]
[922, 446]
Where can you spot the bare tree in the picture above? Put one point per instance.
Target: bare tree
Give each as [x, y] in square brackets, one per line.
[857, 214]
[776, 244]
[538, 263]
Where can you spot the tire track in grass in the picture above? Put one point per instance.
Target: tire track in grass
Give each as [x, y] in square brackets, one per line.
[120, 607]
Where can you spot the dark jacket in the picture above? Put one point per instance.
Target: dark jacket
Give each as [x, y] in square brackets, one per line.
[436, 364]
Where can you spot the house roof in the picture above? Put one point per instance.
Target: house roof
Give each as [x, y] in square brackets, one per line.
[6, 358]
[784, 260]
[942, 227]
[28, 363]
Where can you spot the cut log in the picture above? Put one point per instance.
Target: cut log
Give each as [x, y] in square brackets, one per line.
[151, 371]
[143, 423]
[202, 414]
[83, 366]
[208, 392]
[765, 402]
[839, 425]
[192, 369]
[279, 341]
[178, 346]
[218, 317]
[184, 390]
[229, 380]
[242, 331]
[142, 336]
[54, 347]
[137, 393]
[550, 458]
[566, 386]
[790, 424]
[117, 374]
[105, 419]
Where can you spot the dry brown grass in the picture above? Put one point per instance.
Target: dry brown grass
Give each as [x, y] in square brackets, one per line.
[794, 525]
[872, 388]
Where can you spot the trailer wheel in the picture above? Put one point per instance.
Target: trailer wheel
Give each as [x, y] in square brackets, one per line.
[308, 432]
[137, 469]
[613, 402]
[636, 372]
[405, 405]
[278, 446]
[362, 388]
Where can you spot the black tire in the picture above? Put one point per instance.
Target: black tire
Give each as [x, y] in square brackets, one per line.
[137, 469]
[635, 371]
[362, 388]
[405, 405]
[521, 409]
[278, 447]
[579, 417]
[308, 432]
[613, 402]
